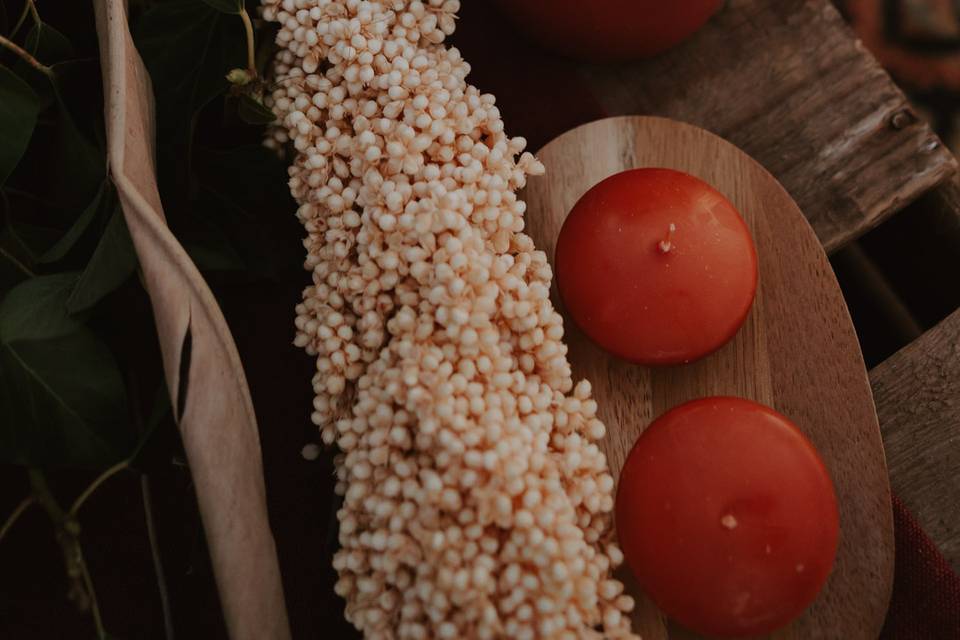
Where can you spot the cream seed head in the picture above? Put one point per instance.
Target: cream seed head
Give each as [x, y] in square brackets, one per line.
[476, 502]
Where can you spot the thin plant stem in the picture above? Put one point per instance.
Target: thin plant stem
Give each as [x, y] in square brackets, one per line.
[251, 53]
[42, 493]
[33, 10]
[157, 562]
[23, 506]
[67, 529]
[23, 16]
[19, 265]
[103, 477]
[26, 57]
[20, 193]
[94, 606]
[67, 532]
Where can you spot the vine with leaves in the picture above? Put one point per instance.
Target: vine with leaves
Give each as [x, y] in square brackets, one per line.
[77, 342]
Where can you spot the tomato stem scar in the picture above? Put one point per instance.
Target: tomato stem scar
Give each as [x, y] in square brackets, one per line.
[666, 244]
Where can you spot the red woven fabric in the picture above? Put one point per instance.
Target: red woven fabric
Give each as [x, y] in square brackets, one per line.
[540, 98]
[926, 591]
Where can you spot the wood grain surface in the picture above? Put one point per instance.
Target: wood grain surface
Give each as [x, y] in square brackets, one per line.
[797, 352]
[788, 83]
[918, 402]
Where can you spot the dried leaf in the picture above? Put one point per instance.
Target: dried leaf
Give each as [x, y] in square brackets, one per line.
[216, 419]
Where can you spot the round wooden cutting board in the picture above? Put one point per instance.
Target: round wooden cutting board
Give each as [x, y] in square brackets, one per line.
[797, 352]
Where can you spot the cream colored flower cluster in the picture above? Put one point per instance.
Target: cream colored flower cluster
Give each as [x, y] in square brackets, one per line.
[476, 502]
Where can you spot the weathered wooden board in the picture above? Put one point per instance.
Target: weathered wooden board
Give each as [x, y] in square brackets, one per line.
[788, 83]
[917, 394]
[797, 352]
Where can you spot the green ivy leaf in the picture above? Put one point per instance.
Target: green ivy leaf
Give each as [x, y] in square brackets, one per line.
[60, 413]
[62, 161]
[188, 47]
[213, 252]
[61, 394]
[225, 6]
[48, 45]
[19, 108]
[70, 238]
[37, 310]
[240, 192]
[31, 239]
[78, 166]
[252, 111]
[150, 445]
[111, 264]
[10, 272]
[15, 260]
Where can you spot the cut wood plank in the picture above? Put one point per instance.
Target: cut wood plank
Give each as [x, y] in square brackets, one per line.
[788, 83]
[797, 352]
[917, 393]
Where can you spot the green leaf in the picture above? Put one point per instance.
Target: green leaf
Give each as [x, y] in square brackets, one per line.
[62, 402]
[225, 6]
[188, 47]
[111, 264]
[78, 166]
[32, 239]
[61, 394]
[14, 260]
[253, 112]
[214, 253]
[62, 161]
[48, 45]
[69, 239]
[241, 191]
[11, 272]
[151, 439]
[36, 309]
[19, 108]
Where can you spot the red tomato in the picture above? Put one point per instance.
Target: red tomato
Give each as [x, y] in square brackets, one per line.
[604, 30]
[649, 302]
[727, 517]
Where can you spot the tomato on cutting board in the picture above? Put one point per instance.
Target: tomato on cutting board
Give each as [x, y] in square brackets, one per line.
[606, 30]
[656, 266]
[727, 517]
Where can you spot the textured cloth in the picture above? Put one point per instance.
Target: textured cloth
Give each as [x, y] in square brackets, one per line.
[541, 98]
[926, 591]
